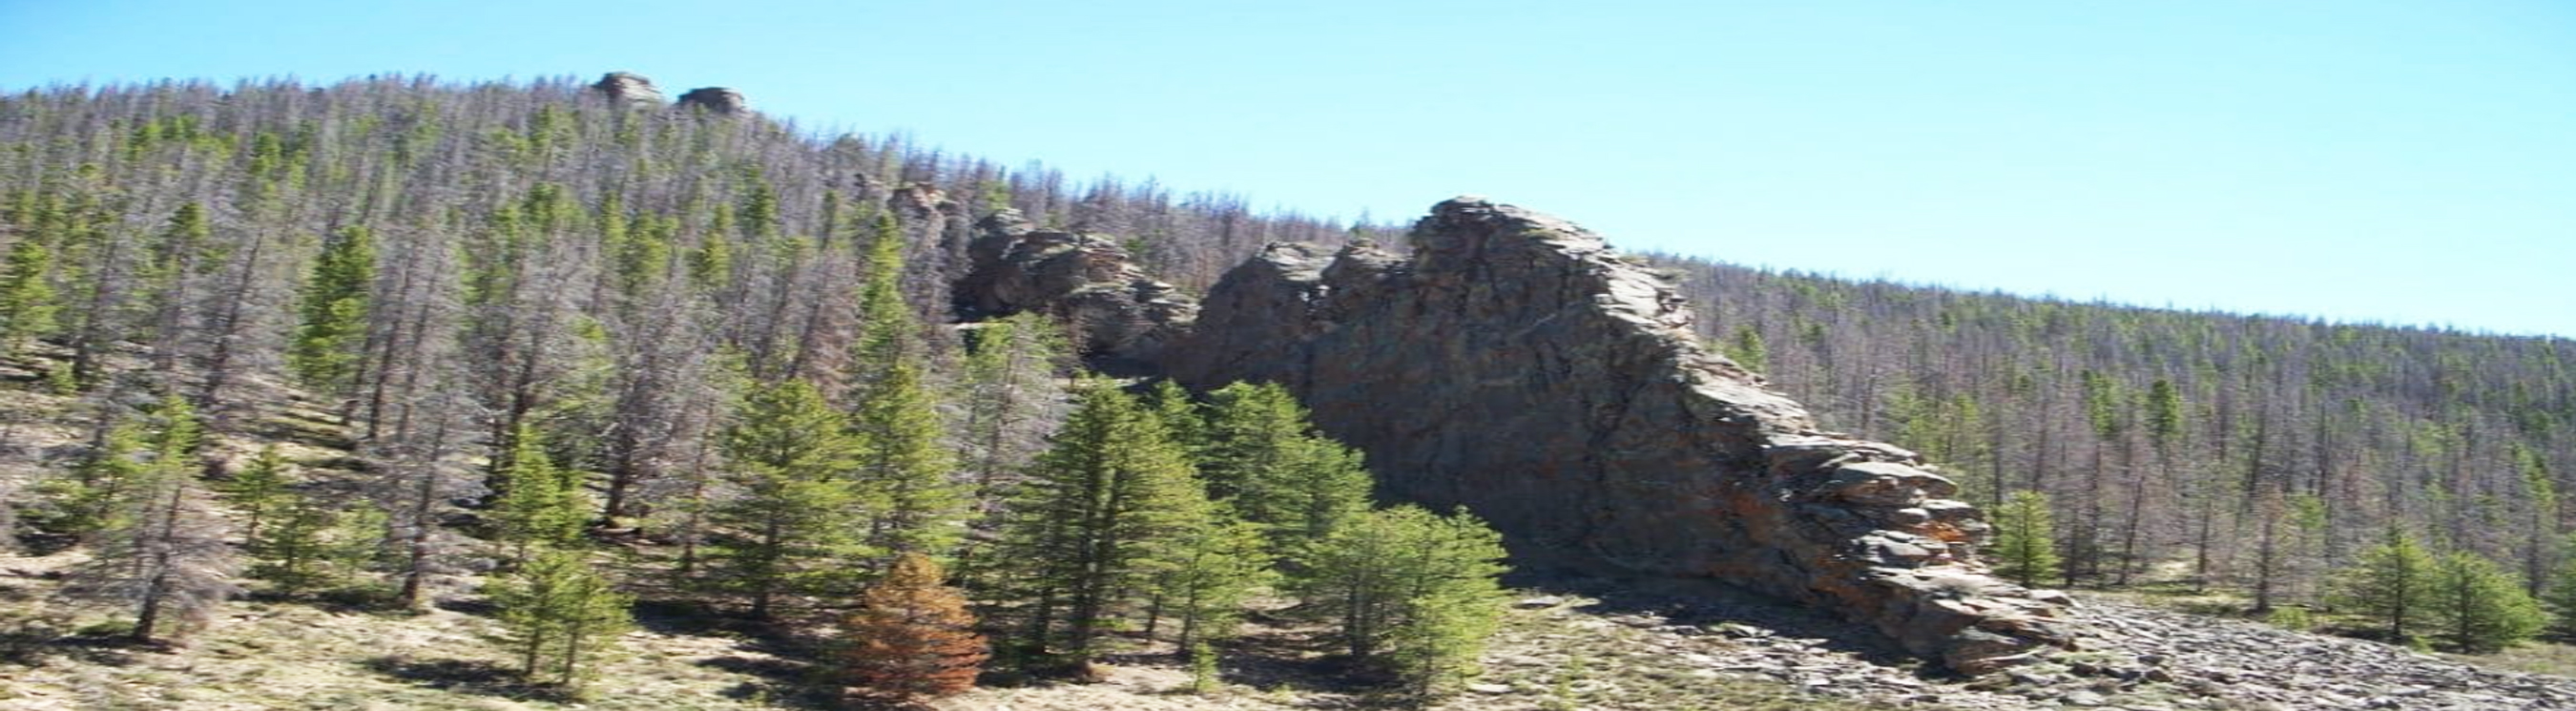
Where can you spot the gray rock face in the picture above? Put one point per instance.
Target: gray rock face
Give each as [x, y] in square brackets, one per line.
[934, 236]
[629, 88]
[1515, 365]
[716, 100]
[1121, 319]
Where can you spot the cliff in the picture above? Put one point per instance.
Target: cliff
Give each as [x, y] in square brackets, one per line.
[1516, 366]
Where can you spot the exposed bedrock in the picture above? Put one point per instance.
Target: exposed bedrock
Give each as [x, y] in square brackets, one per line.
[1517, 366]
[629, 88]
[1120, 318]
[716, 100]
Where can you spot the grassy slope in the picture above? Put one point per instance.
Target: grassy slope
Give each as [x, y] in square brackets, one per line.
[265, 653]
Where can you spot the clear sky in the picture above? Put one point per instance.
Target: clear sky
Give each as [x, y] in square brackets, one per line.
[2407, 161]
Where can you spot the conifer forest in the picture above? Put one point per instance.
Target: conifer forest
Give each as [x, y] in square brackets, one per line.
[390, 343]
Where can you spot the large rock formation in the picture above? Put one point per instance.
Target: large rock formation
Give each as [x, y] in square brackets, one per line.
[629, 88]
[1518, 367]
[716, 100]
[1121, 319]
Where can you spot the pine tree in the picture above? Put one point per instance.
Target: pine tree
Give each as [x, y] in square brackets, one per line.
[2391, 585]
[912, 637]
[559, 613]
[2541, 488]
[1184, 419]
[1206, 577]
[1746, 349]
[27, 298]
[354, 546]
[1250, 430]
[1082, 531]
[1411, 589]
[182, 259]
[333, 312]
[888, 328]
[259, 490]
[2025, 547]
[2479, 607]
[791, 528]
[1263, 457]
[1010, 380]
[541, 504]
[162, 549]
[2560, 598]
[904, 466]
[84, 502]
[294, 552]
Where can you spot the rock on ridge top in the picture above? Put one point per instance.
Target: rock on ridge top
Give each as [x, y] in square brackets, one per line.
[629, 88]
[716, 100]
[1518, 366]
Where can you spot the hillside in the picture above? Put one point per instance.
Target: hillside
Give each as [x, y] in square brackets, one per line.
[418, 289]
[1589, 643]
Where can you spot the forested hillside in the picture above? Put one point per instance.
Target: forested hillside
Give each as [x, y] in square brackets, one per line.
[544, 314]
[2252, 450]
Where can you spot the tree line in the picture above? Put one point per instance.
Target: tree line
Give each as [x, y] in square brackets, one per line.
[2209, 450]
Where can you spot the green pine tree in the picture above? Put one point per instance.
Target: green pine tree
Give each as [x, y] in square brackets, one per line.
[2392, 585]
[2479, 607]
[83, 502]
[1010, 377]
[905, 467]
[1263, 456]
[293, 553]
[559, 615]
[1250, 429]
[332, 312]
[162, 549]
[1207, 574]
[27, 299]
[1184, 418]
[1083, 533]
[259, 490]
[1746, 349]
[541, 503]
[888, 328]
[2560, 597]
[792, 529]
[2025, 544]
[1412, 590]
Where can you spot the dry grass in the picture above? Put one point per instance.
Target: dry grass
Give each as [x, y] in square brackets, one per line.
[262, 653]
[2540, 657]
[273, 655]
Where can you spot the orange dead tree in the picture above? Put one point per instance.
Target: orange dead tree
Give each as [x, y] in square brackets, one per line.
[915, 638]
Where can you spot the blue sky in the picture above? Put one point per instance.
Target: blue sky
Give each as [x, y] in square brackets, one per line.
[2400, 162]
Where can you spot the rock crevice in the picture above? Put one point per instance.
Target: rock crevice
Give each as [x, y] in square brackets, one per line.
[1516, 366]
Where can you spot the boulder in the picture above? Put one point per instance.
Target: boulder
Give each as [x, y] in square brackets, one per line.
[715, 100]
[629, 88]
[1515, 365]
[1121, 319]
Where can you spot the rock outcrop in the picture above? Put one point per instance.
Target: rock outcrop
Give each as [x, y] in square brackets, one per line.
[715, 100]
[1121, 319]
[629, 88]
[1515, 365]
